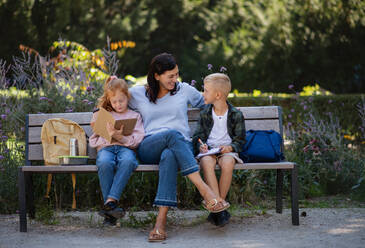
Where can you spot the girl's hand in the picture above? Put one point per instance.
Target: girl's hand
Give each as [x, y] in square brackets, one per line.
[115, 133]
[203, 148]
[226, 149]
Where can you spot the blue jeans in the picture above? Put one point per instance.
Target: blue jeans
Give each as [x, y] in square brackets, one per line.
[115, 166]
[171, 151]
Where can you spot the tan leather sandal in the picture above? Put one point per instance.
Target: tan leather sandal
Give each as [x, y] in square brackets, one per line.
[215, 206]
[157, 236]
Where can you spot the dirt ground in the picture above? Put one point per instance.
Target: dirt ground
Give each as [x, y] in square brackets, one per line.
[330, 227]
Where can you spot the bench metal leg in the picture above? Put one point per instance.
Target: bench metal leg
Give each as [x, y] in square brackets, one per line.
[294, 196]
[279, 191]
[22, 201]
[29, 194]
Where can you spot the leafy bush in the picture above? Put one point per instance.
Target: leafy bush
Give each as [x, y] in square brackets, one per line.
[326, 134]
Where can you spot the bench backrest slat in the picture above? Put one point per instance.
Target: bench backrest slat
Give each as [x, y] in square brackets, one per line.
[257, 118]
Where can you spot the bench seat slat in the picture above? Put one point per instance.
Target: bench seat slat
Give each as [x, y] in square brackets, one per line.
[79, 117]
[261, 112]
[36, 152]
[35, 133]
[146, 167]
[267, 124]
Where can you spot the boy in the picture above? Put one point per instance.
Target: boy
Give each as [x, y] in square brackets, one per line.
[220, 125]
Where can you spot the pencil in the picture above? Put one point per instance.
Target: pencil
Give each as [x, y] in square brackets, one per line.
[201, 142]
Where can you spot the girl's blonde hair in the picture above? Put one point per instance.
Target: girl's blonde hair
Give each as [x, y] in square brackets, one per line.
[112, 84]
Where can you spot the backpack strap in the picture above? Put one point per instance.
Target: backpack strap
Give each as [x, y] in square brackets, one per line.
[49, 183]
[274, 138]
[73, 194]
[249, 138]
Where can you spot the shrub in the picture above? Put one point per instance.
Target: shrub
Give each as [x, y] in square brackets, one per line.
[324, 132]
[328, 163]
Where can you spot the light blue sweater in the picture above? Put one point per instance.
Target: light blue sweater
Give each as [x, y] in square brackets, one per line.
[169, 112]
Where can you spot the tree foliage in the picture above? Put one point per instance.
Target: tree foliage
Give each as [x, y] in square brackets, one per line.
[264, 44]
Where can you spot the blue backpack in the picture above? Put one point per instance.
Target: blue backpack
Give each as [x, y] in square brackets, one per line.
[262, 146]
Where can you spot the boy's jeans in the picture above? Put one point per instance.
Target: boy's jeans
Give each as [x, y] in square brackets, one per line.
[115, 165]
[172, 152]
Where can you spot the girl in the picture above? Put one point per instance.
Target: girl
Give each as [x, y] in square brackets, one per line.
[115, 160]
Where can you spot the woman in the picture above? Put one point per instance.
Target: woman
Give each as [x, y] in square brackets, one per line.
[163, 104]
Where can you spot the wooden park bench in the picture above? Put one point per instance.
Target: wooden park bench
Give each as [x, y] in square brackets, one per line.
[257, 118]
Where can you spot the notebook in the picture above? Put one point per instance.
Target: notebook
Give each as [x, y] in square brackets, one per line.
[104, 117]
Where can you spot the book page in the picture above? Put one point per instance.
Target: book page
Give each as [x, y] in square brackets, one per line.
[210, 152]
[104, 117]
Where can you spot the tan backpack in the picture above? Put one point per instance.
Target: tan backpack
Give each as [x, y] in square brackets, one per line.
[56, 134]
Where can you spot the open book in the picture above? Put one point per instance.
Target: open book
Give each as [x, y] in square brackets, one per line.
[209, 152]
[104, 117]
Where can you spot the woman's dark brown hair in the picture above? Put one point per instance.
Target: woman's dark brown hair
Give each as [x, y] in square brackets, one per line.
[159, 64]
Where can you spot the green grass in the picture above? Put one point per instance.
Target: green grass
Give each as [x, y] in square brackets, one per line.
[336, 201]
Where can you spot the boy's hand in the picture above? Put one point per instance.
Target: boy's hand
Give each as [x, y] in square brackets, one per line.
[226, 149]
[115, 133]
[203, 148]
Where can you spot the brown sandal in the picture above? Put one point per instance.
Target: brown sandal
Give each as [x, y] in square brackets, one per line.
[157, 236]
[215, 206]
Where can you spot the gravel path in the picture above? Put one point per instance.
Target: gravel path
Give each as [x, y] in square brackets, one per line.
[336, 227]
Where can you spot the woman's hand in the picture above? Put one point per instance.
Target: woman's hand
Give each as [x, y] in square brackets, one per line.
[226, 149]
[203, 148]
[115, 133]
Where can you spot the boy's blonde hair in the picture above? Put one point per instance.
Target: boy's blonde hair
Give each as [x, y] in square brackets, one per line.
[112, 84]
[220, 82]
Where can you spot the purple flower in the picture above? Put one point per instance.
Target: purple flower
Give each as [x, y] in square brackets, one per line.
[305, 107]
[43, 98]
[210, 67]
[289, 116]
[1, 157]
[90, 88]
[68, 110]
[292, 110]
[3, 116]
[291, 86]
[7, 110]
[289, 124]
[85, 101]
[312, 141]
[4, 137]
[306, 148]
[3, 104]
[22, 129]
[223, 69]
[89, 103]
[193, 82]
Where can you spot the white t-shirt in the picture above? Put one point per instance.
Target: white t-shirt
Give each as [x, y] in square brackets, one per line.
[219, 135]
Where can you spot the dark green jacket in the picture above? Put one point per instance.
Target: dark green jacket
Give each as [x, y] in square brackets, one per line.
[235, 127]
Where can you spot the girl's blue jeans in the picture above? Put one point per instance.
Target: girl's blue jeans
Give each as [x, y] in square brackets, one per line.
[172, 152]
[115, 166]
